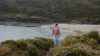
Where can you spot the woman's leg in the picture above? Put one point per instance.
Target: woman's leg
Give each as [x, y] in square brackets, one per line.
[57, 38]
[54, 36]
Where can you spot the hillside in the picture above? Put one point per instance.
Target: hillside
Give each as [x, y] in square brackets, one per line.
[53, 9]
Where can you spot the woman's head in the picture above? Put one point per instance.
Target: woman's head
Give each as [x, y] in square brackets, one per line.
[55, 24]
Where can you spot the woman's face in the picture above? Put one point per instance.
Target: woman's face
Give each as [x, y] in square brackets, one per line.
[55, 25]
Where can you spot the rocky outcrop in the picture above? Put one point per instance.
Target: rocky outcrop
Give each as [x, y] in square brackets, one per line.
[42, 20]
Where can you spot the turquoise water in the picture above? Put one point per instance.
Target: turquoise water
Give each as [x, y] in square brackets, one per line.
[18, 32]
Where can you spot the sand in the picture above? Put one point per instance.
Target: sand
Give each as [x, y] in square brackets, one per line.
[79, 28]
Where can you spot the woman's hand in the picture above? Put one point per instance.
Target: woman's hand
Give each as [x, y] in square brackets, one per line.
[59, 36]
[52, 32]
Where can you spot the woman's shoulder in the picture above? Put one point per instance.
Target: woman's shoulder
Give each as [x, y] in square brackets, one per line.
[58, 27]
[55, 27]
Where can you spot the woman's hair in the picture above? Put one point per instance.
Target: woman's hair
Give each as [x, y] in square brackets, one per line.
[56, 24]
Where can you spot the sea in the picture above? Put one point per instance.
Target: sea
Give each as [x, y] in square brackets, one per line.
[20, 32]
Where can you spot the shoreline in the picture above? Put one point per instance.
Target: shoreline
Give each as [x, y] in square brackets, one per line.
[25, 24]
[79, 33]
[78, 28]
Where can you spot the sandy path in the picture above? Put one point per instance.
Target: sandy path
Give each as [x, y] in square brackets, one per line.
[79, 29]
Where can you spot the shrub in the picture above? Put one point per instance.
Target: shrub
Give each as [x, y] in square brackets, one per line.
[9, 43]
[93, 41]
[84, 38]
[26, 46]
[18, 51]
[43, 43]
[39, 44]
[69, 40]
[76, 51]
[15, 44]
[62, 43]
[21, 45]
[71, 51]
[98, 39]
[29, 46]
[49, 42]
[32, 50]
[78, 37]
[93, 34]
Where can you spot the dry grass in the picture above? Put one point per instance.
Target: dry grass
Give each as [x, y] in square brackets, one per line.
[14, 54]
[41, 52]
[5, 50]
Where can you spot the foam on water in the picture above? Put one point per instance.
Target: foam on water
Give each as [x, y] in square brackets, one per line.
[17, 32]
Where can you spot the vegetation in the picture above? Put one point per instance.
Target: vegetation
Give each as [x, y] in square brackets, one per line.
[93, 34]
[42, 43]
[78, 45]
[52, 9]
[70, 51]
[85, 45]
[26, 47]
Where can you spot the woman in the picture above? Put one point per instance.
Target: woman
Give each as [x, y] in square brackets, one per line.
[55, 33]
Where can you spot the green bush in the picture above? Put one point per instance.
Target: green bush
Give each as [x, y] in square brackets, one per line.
[18, 51]
[76, 51]
[9, 43]
[92, 37]
[32, 50]
[29, 46]
[93, 41]
[84, 38]
[71, 51]
[93, 34]
[15, 44]
[43, 43]
[63, 43]
[21, 45]
[78, 37]
[68, 41]
[98, 39]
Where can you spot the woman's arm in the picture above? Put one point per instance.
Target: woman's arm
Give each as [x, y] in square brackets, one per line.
[52, 32]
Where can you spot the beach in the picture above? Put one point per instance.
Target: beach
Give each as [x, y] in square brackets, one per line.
[79, 28]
